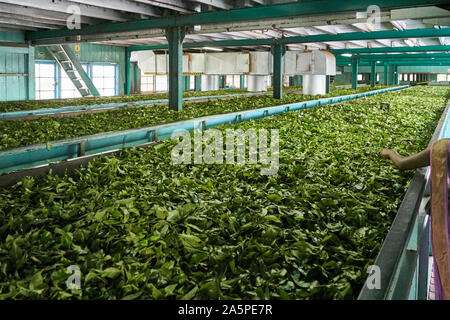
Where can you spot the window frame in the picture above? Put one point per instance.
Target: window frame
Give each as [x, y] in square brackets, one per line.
[58, 76]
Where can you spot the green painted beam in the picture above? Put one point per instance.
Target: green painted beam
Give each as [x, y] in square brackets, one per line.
[292, 9]
[14, 49]
[175, 36]
[278, 51]
[355, 63]
[350, 36]
[391, 49]
[404, 56]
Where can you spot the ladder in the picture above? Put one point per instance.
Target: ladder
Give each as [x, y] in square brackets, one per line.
[68, 61]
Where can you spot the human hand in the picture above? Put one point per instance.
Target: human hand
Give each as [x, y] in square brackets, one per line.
[386, 153]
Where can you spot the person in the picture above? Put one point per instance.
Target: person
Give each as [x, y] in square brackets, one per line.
[418, 160]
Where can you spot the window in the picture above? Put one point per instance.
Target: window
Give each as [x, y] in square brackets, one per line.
[45, 80]
[378, 77]
[233, 81]
[441, 77]
[192, 83]
[68, 89]
[161, 83]
[52, 82]
[360, 77]
[147, 83]
[104, 78]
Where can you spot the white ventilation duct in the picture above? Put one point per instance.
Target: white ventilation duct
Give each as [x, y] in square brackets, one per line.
[210, 82]
[314, 66]
[256, 83]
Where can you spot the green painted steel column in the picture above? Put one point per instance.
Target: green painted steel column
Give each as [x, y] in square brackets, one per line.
[278, 51]
[175, 36]
[241, 81]
[198, 83]
[355, 63]
[386, 75]
[373, 74]
[221, 82]
[327, 89]
[186, 83]
[31, 95]
[127, 71]
[390, 74]
[395, 74]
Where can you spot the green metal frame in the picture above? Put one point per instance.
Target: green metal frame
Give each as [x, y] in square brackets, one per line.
[355, 63]
[392, 49]
[278, 52]
[350, 36]
[373, 74]
[175, 36]
[127, 71]
[198, 83]
[293, 9]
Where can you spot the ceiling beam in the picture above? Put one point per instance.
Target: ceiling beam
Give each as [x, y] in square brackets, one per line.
[41, 13]
[392, 49]
[86, 10]
[351, 36]
[412, 56]
[237, 15]
[221, 4]
[176, 5]
[123, 5]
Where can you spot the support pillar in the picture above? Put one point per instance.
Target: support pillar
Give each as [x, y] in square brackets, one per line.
[31, 95]
[298, 81]
[386, 74]
[198, 83]
[355, 62]
[278, 51]
[242, 81]
[327, 84]
[373, 74]
[175, 36]
[394, 74]
[127, 71]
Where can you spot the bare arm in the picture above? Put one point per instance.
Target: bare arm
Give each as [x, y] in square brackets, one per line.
[418, 160]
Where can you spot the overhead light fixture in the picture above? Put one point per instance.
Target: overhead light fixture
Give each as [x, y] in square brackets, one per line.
[212, 49]
[346, 54]
[432, 58]
[378, 61]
